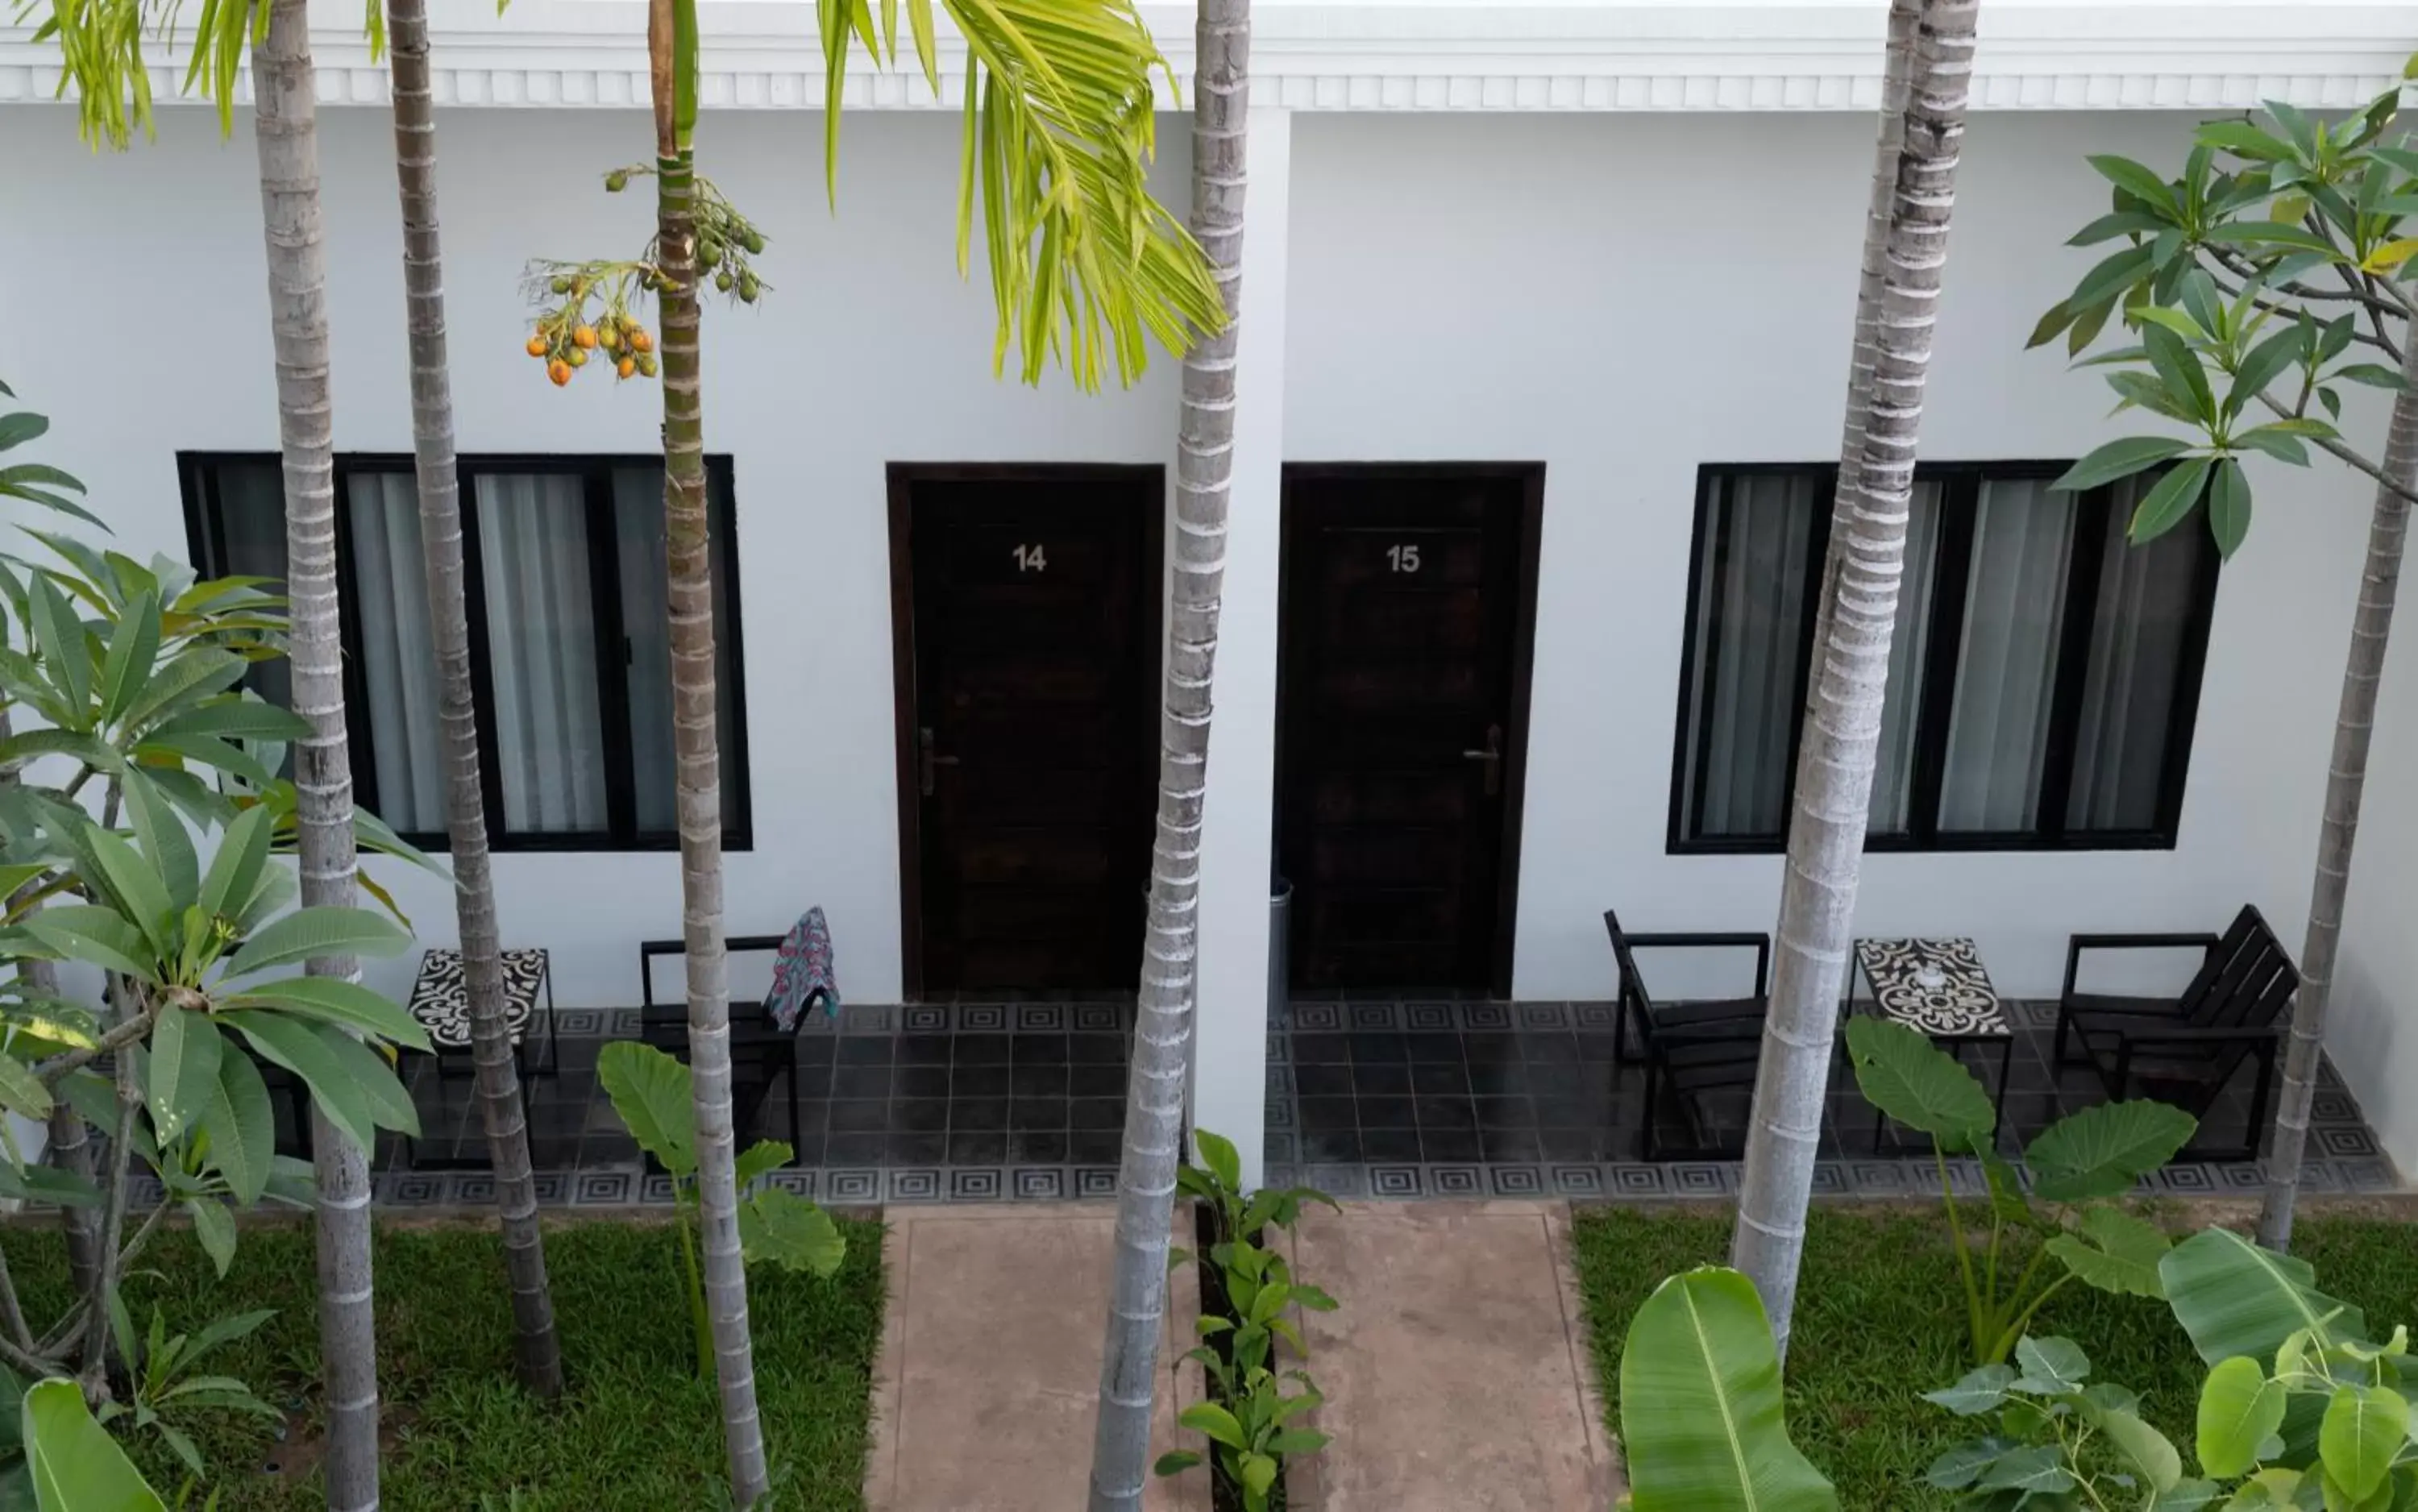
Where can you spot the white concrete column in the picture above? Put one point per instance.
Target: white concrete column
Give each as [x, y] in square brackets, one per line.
[1230, 1062]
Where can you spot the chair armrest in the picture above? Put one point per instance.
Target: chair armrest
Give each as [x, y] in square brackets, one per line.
[1718, 938]
[2077, 944]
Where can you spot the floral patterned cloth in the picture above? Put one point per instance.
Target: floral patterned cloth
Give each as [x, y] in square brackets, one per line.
[803, 971]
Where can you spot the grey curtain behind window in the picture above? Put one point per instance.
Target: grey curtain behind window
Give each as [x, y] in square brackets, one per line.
[2128, 694]
[2006, 679]
[398, 652]
[541, 651]
[1751, 601]
[252, 517]
[1910, 645]
[638, 529]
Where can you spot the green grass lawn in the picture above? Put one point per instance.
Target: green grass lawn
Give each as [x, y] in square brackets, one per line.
[637, 1429]
[1880, 1320]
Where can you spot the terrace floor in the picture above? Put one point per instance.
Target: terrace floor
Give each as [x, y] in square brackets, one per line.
[1023, 1102]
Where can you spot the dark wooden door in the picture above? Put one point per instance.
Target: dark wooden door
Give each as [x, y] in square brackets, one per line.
[1408, 615]
[1029, 658]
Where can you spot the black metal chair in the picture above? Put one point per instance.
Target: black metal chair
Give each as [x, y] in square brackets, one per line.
[1689, 1048]
[2185, 1049]
[760, 1050]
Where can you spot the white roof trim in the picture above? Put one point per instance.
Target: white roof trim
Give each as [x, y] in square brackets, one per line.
[1435, 54]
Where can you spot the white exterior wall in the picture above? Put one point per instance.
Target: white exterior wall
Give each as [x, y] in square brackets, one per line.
[1622, 296]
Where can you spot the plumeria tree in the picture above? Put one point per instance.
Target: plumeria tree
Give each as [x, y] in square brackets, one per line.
[2246, 296]
[134, 754]
[1085, 267]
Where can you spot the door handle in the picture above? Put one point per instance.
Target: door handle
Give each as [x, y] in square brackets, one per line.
[927, 763]
[1492, 753]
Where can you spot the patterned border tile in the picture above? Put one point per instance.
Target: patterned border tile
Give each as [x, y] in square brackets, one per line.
[1040, 1183]
[975, 1184]
[1095, 1180]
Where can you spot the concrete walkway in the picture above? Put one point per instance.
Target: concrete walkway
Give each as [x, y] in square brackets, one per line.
[1456, 1373]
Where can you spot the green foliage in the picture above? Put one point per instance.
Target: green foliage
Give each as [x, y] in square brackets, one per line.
[1248, 1415]
[1880, 1319]
[34, 481]
[654, 1093]
[164, 1387]
[2096, 1153]
[2319, 1420]
[1059, 123]
[74, 1465]
[1701, 1422]
[2259, 282]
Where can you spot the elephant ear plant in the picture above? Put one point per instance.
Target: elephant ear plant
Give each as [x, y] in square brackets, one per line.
[1701, 1421]
[2077, 1164]
[1247, 1291]
[2300, 1408]
[654, 1095]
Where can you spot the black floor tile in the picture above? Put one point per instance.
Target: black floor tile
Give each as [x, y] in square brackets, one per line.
[1378, 1047]
[867, 1050]
[978, 1113]
[1506, 1113]
[1038, 1081]
[1094, 1147]
[1491, 1048]
[1448, 1145]
[1386, 1113]
[1440, 1078]
[920, 1081]
[1038, 1114]
[978, 1146]
[1434, 1048]
[1383, 1079]
[1571, 1144]
[919, 1115]
[980, 1049]
[855, 1149]
[1097, 1049]
[860, 1082]
[1095, 1082]
[1038, 1146]
[1389, 1144]
[1038, 1050]
[1326, 1114]
[813, 1080]
[815, 1049]
[979, 1080]
[1497, 1078]
[1321, 1049]
[1319, 1080]
[904, 1149]
[924, 1049]
[1095, 1113]
[1512, 1144]
[1570, 1113]
[1321, 1145]
[859, 1116]
[1550, 1046]
[1563, 1079]
[1458, 1113]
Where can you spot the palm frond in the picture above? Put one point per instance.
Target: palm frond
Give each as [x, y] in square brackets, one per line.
[102, 57]
[1085, 267]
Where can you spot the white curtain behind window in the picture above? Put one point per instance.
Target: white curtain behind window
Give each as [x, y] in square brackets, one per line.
[398, 652]
[2006, 679]
[2128, 694]
[1750, 638]
[541, 651]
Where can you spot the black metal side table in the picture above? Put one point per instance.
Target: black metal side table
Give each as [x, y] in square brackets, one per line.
[1937, 988]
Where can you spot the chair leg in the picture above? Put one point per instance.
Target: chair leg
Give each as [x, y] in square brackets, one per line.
[1648, 1148]
[2063, 1023]
[2259, 1101]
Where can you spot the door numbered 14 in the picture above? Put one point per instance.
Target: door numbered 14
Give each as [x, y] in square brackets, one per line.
[1033, 558]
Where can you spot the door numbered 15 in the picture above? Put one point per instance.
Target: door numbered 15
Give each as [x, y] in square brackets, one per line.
[1403, 558]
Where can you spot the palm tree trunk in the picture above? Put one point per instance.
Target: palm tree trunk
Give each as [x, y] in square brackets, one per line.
[285, 123]
[1155, 1092]
[536, 1353]
[2346, 783]
[1834, 765]
[698, 759]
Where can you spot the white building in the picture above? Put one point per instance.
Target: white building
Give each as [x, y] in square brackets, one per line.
[1539, 298]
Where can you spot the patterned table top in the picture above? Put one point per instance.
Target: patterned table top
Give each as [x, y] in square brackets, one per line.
[440, 996]
[1936, 986]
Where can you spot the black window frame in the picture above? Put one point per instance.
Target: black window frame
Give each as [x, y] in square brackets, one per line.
[206, 545]
[1961, 485]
